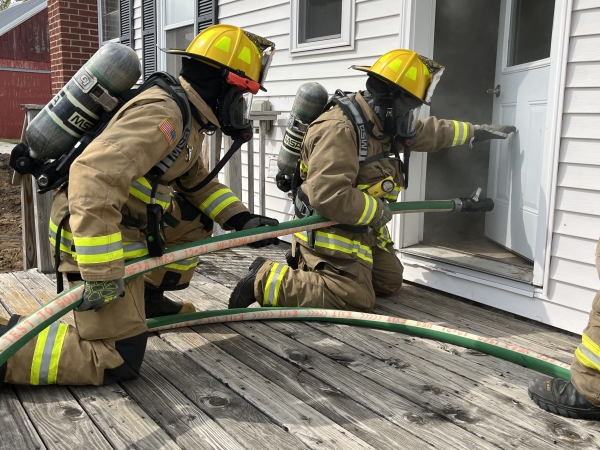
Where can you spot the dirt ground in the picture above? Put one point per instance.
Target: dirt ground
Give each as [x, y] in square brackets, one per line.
[11, 249]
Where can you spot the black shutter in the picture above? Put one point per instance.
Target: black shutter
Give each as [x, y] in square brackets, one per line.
[148, 37]
[207, 14]
[126, 22]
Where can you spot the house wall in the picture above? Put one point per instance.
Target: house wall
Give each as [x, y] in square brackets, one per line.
[24, 71]
[573, 280]
[377, 28]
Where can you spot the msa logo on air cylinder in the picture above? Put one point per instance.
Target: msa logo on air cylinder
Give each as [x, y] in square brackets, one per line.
[80, 122]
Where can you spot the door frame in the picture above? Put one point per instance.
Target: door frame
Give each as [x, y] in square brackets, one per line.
[408, 229]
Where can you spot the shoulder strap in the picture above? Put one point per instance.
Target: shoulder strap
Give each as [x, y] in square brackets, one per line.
[351, 111]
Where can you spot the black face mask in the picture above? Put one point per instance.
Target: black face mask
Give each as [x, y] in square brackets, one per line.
[396, 110]
[232, 115]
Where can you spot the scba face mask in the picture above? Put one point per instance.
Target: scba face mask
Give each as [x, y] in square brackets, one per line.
[234, 108]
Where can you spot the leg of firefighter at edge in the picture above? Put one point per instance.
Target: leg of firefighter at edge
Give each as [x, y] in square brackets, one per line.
[387, 271]
[191, 226]
[106, 346]
[322, 286]
[579, 398]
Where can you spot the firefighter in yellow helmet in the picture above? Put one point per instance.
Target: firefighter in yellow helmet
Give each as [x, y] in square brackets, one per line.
[105, 215]
[347, 265]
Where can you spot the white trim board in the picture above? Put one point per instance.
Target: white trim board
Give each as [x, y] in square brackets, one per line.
[513, 297]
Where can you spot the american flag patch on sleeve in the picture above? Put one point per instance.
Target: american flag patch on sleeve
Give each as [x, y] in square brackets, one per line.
[168, 130]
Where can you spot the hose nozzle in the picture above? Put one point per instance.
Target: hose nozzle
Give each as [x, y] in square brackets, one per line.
[473, 203]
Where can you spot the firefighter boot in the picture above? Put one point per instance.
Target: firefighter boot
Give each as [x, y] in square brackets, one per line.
[243, 292]
[157, 305]
[560, 397]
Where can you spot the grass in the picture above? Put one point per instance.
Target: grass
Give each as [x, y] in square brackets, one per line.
[10, 141]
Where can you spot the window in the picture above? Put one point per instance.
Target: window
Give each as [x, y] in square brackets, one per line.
[322, 25]
[177, 30]
[109, 20]
[531, 31]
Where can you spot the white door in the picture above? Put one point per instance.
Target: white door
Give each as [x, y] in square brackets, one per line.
[521, 97]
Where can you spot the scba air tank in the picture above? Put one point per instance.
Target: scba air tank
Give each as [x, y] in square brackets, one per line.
[113, 69]
[310, 100]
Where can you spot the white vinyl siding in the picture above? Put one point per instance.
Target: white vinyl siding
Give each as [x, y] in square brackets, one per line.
[576, 228]
[377, 27]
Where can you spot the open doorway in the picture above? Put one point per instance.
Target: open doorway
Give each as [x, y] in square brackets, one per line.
[502, 45]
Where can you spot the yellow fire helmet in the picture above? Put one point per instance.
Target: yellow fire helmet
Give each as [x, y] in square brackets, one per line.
[407, 70]
[230, 47]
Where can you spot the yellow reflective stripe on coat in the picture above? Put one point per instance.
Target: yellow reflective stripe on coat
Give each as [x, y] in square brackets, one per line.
[142, 190]
[384, 238]
[340, 244]
[66, 238]
[99, 249]
[218, 201]
[185, 264]
[369, 211]
[133, 250]
[303, 166]
[393, 196]
[588, 353]
[273, 285]
[46, 356]
[461, 132]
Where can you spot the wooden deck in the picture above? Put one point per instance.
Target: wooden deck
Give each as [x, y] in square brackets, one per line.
[288, 385]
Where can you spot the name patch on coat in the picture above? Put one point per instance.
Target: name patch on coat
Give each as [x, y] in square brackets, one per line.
[168, 130]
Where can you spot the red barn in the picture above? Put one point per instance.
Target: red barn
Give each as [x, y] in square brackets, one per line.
[24, 63]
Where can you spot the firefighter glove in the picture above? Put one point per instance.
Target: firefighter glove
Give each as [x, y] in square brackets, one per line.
[383, 218]
[247, 221]
[99, 293]
[487, 132]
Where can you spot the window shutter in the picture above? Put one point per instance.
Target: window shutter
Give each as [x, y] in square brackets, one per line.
[148, 38]
[207, 14]
[125, 22]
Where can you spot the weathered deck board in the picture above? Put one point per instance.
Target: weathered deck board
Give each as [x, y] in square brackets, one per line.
[324, 398]
[235, 415]
[184, 422]
[274, 385]
[281, 407]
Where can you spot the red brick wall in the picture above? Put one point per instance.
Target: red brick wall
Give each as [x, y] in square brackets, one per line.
[73, 37]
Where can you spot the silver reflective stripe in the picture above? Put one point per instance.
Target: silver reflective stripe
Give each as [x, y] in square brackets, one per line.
[588, 353]
[217, 201]
[371, 205]
[352, 248]
[63, 240]
[47, 354]
[461, 132]
[148, 192]
[274, 280]
[99, 249]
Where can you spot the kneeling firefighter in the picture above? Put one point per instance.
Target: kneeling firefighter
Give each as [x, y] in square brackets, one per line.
[350, 169]
[117, 195]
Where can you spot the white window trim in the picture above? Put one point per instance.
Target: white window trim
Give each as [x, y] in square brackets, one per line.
[343, 43]
[100, 24]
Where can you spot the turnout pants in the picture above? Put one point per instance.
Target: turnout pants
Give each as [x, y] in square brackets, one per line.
[108, 345]
[105, 346]
[319, 282]
[585, 370]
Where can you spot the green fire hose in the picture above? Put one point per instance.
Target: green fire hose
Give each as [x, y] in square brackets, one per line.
[30, 326]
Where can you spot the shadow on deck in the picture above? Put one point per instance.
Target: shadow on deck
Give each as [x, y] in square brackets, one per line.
[284, 385]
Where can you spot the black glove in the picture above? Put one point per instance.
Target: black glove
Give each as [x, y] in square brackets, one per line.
[487, 132]
[99, 293]
[383, 219]
[247, 221]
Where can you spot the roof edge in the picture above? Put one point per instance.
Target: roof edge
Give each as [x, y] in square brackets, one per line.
[28, 15]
